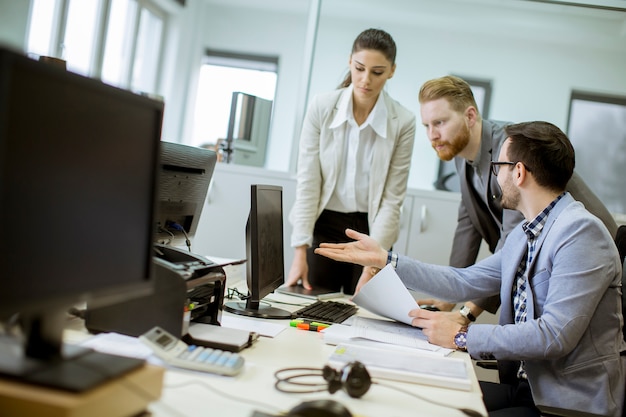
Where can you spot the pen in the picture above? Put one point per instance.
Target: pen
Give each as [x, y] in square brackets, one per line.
[295, 322]
[311, 327]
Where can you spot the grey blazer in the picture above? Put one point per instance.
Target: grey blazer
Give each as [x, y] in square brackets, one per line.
[481, 216]
[572, 340]
[321, 158]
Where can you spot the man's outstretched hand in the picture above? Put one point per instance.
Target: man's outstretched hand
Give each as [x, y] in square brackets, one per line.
[364, 250]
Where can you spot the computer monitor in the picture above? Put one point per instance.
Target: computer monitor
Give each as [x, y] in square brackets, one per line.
[184, 179]
[78, 170]
[264, 253]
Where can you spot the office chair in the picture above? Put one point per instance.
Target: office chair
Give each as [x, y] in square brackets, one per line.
[623, 245]
[620, 241]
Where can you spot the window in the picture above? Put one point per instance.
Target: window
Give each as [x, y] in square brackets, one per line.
[222, 74]
[597, 129]
[118, 41]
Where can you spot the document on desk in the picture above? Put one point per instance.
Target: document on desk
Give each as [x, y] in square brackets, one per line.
[383, 331]
[386, 295]
[405, 365]
[118, 344]
[262, 327]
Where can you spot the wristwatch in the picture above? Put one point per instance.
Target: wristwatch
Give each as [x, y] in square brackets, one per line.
[467, 313]
[460, 339]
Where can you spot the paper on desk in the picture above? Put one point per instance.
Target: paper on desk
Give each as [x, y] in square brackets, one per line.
[118, 344]
[383, 331]
[405, 365]
[261, 327]
[386, 295]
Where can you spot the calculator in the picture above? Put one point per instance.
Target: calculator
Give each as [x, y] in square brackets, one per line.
[175, 352]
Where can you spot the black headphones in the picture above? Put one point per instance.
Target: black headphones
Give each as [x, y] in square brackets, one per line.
[353, 378]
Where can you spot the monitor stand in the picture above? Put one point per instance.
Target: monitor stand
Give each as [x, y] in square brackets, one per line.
[259, 310]
[43, 359]
[79, 370]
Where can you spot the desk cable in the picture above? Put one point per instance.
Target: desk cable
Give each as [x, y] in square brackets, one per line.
[162, 229]
[296, 383]
[223, 394]
[179, 228]
[467, 411]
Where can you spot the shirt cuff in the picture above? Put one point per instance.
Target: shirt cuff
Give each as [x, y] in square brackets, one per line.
[301, 240]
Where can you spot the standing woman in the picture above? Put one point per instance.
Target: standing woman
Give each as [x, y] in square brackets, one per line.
[353, 166]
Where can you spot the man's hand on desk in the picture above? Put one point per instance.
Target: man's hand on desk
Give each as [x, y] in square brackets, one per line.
[439, 327]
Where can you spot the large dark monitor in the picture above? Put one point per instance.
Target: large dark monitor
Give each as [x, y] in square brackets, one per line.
[264, 252]
[185, 175]
[78, 170]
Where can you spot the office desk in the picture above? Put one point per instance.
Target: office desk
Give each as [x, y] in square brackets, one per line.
[188, 393]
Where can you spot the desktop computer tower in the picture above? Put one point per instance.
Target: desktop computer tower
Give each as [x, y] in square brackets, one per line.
[187, 287]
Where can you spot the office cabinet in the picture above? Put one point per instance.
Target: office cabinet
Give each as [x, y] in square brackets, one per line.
[427, 225]
[221, 231]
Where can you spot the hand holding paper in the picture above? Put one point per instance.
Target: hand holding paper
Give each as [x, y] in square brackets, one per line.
[386, 295]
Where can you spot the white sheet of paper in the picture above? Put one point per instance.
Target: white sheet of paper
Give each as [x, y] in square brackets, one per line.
[382, 331]
[262, 327]
[386, 295]
[118, 344]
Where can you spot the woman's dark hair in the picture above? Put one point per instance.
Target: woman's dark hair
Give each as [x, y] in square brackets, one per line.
[545, 151]
[374, 39]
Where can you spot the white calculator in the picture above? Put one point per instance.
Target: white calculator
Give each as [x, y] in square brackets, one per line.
[175, 352]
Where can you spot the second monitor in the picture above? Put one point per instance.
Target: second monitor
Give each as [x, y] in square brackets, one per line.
[184, 178]
[264, 253]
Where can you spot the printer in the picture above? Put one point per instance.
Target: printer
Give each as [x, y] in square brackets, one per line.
[187, 287]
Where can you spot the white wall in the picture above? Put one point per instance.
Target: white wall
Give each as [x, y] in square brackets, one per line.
[13, 22]
[221, 232]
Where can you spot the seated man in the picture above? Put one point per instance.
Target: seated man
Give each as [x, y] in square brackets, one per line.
[558, 278]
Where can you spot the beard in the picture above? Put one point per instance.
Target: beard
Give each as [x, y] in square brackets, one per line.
[510, 197]
[454, 146]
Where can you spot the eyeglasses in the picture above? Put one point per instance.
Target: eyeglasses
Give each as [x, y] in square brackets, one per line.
[495, 166]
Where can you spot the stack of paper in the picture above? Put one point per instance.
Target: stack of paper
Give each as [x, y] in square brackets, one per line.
[405, 365]
[383, 331]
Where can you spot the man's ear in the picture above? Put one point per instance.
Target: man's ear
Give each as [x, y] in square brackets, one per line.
[471, 114]
[521, 173]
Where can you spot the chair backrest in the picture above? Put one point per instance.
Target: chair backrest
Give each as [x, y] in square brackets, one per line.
[620, 241]
[624, 296]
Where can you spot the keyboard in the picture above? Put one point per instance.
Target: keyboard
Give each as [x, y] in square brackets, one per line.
[326, 311]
